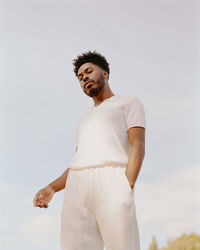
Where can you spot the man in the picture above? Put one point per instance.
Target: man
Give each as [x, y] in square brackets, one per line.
[99, 207]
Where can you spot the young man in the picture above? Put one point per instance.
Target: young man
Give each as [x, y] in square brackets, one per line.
[99, 208]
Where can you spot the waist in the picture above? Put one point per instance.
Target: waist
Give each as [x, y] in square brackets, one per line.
[112, 164]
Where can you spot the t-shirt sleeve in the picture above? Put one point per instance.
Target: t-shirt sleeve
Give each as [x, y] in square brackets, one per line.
[135, 113]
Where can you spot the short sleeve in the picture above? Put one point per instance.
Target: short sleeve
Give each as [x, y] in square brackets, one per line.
[135, 113]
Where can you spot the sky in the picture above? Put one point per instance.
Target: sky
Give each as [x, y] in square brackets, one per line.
[153, 53]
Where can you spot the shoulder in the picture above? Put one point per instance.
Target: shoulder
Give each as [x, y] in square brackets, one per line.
[132, 100]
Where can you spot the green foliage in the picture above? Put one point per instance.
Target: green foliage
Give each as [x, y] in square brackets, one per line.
[153, 245]
[184, 242]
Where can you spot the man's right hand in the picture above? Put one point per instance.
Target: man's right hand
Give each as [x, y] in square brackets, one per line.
[43, 197]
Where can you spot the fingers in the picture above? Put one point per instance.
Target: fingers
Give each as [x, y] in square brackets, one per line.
[40, 204]
[38, 201]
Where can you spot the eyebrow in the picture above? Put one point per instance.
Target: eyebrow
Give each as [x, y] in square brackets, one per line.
[83, 71]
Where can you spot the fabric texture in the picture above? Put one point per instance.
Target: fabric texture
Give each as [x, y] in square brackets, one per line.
[102, 132]
[99, 210]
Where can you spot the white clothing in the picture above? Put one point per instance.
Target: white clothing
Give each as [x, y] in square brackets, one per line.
[99, 210]
[102, 137]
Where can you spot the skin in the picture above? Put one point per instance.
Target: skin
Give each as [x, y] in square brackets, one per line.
[99, 91]
[136, 136]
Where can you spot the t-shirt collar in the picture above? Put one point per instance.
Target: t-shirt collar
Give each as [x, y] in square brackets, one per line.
[112, 98]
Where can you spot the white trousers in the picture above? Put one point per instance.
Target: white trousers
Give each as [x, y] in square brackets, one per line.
[99, 210]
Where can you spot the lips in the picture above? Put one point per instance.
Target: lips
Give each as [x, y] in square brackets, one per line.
[87, 84]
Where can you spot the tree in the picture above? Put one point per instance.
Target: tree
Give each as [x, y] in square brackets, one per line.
[184, 242]
[153, 245]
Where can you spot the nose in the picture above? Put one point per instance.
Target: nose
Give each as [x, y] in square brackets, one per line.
[85, 78]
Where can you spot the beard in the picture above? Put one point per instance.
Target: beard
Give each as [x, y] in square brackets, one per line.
[94, 91]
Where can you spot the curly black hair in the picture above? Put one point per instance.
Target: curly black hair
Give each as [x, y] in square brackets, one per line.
[93, 57]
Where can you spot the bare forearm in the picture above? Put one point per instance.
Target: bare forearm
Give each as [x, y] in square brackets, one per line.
[59, 183]
[135, 160]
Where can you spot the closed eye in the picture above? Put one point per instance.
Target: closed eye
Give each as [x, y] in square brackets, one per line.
[87, 72]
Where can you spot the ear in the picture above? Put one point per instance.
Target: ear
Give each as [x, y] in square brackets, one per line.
[105, 73]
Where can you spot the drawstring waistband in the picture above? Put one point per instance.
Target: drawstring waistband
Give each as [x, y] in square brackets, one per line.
[112, 164]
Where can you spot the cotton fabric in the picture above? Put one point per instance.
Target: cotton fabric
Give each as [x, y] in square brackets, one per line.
[102, 132]
[99, 209]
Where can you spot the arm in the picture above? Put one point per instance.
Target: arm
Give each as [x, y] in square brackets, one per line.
[59, 183]
[45, 195]
[136, 136]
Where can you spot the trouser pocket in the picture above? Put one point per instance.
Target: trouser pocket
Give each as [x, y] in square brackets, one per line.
[127, 182]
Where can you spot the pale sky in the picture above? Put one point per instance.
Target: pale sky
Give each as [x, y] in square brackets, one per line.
[152, 49]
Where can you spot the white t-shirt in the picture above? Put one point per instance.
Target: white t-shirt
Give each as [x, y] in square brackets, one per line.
[102, 137]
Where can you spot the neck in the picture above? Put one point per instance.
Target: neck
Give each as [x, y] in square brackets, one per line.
[102, 96]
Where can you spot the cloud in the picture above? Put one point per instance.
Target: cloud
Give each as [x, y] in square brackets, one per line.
[40, 229]
[171, 205]
[41, 232]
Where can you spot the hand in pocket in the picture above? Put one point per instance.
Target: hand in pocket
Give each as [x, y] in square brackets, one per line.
[131, 186]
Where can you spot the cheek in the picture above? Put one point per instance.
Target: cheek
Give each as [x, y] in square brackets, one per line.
[95, 76]
[92, 77]
[99, 78]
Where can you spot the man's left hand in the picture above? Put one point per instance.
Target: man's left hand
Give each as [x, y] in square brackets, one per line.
[130, 182]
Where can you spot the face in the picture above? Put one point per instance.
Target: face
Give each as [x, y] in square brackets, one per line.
[95, 75]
